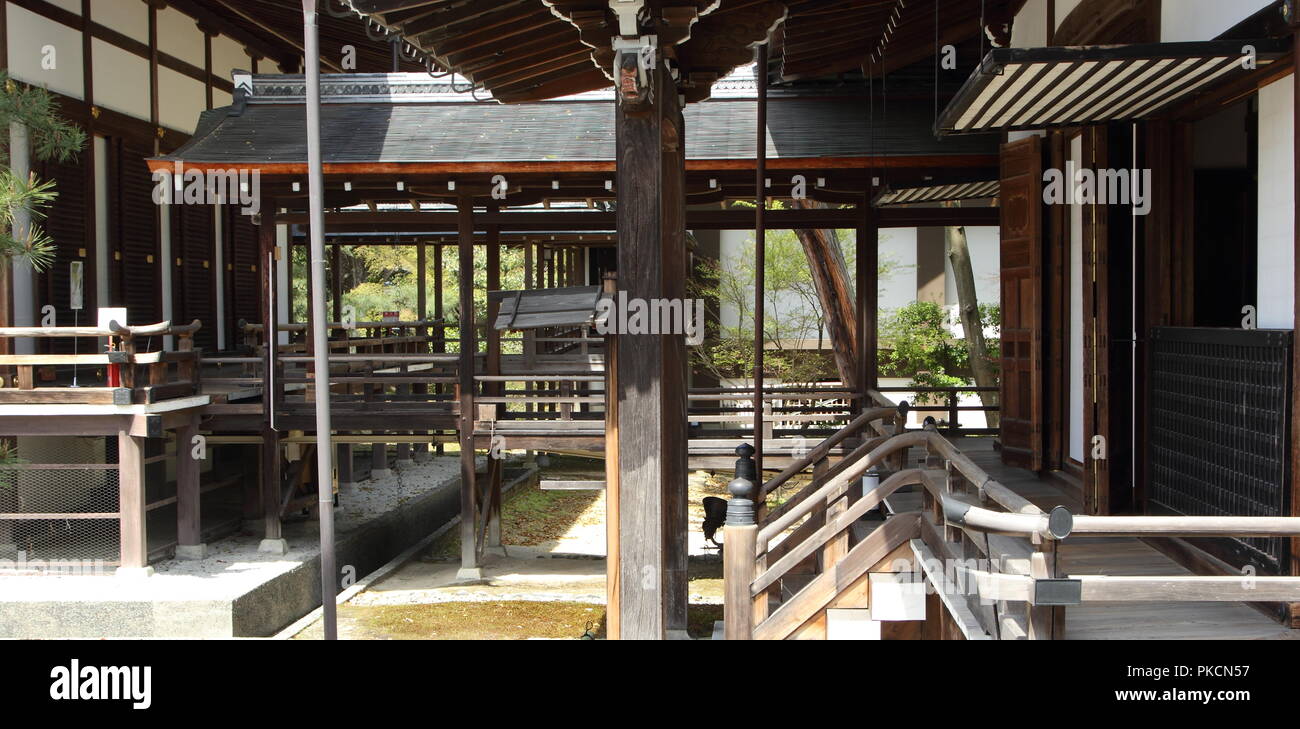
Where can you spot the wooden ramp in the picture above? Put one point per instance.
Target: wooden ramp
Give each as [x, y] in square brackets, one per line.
[1125, 556]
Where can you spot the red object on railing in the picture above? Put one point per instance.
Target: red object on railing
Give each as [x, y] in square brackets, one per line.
[114, 375]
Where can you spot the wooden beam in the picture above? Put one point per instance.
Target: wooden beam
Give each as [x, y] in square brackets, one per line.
[469, 502]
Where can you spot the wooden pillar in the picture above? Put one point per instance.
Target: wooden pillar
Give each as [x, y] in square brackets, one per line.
[131, 506]
[760, 255]
[189, 525]
[271, 389]
[739, 566]
[440, 333]
[469, 502]
[867, 257]
[346, 466]
[492, 239]
[420, 451]
[336, 283]
[613, 560]
[652, 447]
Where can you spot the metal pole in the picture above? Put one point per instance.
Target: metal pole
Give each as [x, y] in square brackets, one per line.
[760, 256]
[320, 353]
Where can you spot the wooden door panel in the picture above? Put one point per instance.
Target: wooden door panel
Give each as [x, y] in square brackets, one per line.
[1021, 264]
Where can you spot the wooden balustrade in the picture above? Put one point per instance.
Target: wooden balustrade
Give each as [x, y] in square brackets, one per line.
[129, 375]
[989, 553]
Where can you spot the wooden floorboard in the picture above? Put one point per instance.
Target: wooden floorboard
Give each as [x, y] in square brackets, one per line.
[1123, 556]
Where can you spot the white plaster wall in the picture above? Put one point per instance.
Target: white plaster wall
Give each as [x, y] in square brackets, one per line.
[227, 55]
[128, 17]
[179, 36]
[72, 6]
[1064, 8]
[28, 35]
[1276, 274]
[985, 259]
[899, 246]
[1030, 28]
[1191, 20]
[180, 98]
[121, 80]
[1076, 319]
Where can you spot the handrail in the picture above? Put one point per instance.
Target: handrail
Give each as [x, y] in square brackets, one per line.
[962, 504]
[823, 449]
[114, 329]
[835, 484]
[247, 326]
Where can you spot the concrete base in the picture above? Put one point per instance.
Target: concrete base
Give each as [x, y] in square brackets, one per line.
[235, 592]
[381, 473]
[677, 635]
[134, 573]
[274, 546]
[498, 551]
[191, 551]
[469, 573]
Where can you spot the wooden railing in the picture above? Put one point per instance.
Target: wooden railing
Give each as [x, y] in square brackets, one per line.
[125, 374]
[989, 553]
[952, 408]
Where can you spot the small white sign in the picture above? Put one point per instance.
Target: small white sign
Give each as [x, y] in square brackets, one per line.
[76, 285]
[111, 314]
[897, 596]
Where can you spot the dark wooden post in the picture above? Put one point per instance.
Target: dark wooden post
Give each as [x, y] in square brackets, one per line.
[652, 446]
[760, 253]
[438, 313]
[189, 525]
[134, 542]
[469, 506]
[420, 451]
[741, 536]
[492, 239]
[336, 283]
[346, 467]
[273, 540]
[867, 257]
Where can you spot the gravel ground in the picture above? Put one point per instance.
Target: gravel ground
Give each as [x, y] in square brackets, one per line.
[233, 565]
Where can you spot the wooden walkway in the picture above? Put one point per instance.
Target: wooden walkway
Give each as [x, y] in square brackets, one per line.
[1125, 556]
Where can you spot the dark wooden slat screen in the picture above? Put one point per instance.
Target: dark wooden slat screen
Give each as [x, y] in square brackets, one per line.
[193, 280]
[136, 234]
[242, 279]
[65, 223]
[1219, 432]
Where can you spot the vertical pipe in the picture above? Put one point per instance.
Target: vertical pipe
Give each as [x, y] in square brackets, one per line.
[760, 253]
[24, 289]
[316, 203]
[1295, 367]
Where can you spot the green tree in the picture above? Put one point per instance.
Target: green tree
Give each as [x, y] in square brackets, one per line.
[792, 311]
[51, 138]
[917, 342]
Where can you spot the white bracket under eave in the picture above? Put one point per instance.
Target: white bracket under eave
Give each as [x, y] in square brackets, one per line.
[628, 12]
